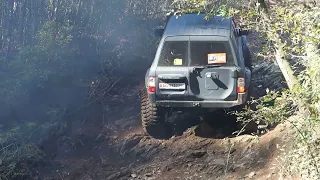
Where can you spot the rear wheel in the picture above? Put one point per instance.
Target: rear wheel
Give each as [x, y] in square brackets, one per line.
[248, 64]
[250, 90]
[247, 56]
[154, 118]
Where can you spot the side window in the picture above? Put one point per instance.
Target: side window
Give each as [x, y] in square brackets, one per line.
[174, 53]
[235, 34]
[234, 38]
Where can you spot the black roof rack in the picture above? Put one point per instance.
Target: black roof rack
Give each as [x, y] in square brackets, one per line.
[196, 24]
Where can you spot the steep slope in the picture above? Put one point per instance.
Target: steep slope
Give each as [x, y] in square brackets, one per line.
[111, 144]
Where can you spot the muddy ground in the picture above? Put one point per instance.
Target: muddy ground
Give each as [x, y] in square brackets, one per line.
[109, 143]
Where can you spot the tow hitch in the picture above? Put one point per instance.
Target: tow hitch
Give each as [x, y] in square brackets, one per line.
[196, 104]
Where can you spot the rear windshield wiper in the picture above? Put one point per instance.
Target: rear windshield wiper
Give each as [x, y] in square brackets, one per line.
[212, 65]
[207, 66]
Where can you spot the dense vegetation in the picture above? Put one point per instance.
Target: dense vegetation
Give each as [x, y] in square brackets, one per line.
[291, 29]
[52, 52]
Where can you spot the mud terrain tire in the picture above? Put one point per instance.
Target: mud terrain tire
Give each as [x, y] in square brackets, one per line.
[247, 56]
[248, 63]
[153, 118]
[251, 127]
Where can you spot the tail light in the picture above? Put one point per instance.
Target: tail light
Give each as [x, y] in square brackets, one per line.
[152, 84]
[241, 85]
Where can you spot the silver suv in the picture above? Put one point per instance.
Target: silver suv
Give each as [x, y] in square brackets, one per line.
[198, 64]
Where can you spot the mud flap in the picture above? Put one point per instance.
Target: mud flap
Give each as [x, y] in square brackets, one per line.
[247, 77]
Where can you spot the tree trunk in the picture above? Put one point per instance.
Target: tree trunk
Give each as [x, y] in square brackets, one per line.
[313, 57]
[285, 66]
[281, 60]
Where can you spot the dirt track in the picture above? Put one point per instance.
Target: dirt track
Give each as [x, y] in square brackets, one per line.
[121, 151]
[110, 144]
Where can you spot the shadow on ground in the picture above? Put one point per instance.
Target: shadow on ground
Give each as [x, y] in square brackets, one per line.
[218, 124]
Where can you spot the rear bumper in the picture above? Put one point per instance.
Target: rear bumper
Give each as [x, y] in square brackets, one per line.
[204, 104]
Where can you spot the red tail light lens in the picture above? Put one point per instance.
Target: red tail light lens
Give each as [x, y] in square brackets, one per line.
[152, 84]
[152, 89]
[241, 85]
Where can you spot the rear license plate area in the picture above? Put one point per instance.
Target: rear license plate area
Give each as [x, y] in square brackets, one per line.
[172, 86]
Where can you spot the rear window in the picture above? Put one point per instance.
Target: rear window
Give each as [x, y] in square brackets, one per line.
[213, 52]
[174, 53]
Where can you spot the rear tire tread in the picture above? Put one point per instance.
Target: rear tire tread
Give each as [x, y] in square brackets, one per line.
[247, 56]
[152, 118]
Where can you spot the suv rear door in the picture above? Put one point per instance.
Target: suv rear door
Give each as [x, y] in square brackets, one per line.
[172, 70]
[212, 69]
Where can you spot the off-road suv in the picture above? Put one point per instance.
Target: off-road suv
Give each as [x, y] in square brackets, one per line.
[198, 64]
